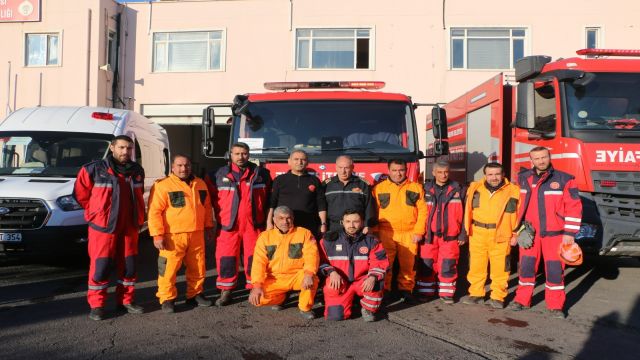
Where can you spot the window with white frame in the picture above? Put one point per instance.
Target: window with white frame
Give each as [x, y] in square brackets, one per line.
[42, 49]
[112, 49]
[592, 37]
[487, 48]
[187, 51]
[333, 49]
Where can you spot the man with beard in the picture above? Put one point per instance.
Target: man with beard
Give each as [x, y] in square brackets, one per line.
[354, 263]
[490, 219]
[111, 191]
[239, 194]
[550, 204]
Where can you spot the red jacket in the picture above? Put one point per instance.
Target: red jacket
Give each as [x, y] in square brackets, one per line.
[97, 190]
[352, 258]
[225, 196]
[446, 211]
[559, 209]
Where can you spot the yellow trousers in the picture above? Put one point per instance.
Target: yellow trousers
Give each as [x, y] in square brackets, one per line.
[483, 250]
[275, 290]
[401, 245]
[179, 248]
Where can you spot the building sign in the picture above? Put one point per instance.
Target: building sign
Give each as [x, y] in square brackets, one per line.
[19, 10]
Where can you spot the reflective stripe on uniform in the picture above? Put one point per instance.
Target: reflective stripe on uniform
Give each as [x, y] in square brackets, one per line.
[126, 283]
[448, 291]
[553, 192]
[338, 257]
[426, 290]
[522, 283]
[358, 257]
[228, 188]
[578, 220]
[572, 227]
[103, 185]
[425, 283]
[446, 284]
[225, 283]
[559, 287]
[98, 287]
[343, 192]
[259, 186]
[372, 298]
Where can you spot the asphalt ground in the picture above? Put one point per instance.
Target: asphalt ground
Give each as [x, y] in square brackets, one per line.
[43, 312]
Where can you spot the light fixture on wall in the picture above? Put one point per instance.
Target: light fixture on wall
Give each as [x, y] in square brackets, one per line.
[106, 67]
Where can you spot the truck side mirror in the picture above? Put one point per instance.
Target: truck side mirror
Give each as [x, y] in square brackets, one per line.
[439, 122]
[525, 113]
[208, 127]
[441, 148]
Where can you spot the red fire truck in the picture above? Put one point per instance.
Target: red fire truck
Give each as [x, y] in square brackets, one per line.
[325, 119]
[587, 111]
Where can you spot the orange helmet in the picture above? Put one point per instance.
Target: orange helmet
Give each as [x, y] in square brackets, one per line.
[570, 254]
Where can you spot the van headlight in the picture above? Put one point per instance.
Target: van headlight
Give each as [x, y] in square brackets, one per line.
[68, 203]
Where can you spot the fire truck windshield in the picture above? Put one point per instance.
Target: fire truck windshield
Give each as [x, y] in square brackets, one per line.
[610, 102]
[354, 127]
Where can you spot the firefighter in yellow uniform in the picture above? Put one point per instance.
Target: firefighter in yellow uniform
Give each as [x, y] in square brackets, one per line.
[285, 259]
[402, 216]
[490, 218]
[180, 213]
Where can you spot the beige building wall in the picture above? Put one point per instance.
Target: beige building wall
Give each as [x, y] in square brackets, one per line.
[76, 80]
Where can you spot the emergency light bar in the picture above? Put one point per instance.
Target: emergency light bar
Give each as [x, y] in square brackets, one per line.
[102, 116]
[370, 85]
[608, 52]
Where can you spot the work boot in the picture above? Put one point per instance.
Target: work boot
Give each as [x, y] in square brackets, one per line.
[473, 300]
[199, 300]
[168, 307]
[408, 297]
[447, 300]
[556, 313]
[97, 314]
[496, 304]
[516, 306]
[307, 315]
[224, 299]
[367, 315]
[131, 308]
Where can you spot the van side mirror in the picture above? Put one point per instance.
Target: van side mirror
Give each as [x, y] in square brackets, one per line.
[525, 113]
[439, 122]
[208, 127]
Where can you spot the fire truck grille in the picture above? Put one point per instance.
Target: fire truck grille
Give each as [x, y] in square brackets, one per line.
[22, 214]
[626, 183]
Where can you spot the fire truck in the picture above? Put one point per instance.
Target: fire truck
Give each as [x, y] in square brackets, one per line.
[326, 119]
[586, 111]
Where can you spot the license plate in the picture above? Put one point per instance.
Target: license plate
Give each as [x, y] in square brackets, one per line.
[10, 237]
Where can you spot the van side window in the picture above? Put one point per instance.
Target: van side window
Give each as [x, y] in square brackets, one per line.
[545, 108]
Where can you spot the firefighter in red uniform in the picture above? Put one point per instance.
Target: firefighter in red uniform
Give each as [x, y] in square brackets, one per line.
[111, 192]
[445, 234]
[240, 195]
[355, 264]
[550, 203]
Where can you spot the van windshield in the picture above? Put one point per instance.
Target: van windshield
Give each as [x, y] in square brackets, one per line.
[354, 127]
[59, 154]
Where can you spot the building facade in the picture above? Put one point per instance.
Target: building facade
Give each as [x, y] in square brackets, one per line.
[169, 59]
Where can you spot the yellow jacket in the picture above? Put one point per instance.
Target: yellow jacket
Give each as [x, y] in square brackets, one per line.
[499, 209]
[177, 207]
[278, 254]
[401, 207]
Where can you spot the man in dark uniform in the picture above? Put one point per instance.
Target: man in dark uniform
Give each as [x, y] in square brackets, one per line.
[301, 192]
[348, 191]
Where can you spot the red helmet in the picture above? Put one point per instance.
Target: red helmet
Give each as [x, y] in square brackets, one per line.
[570, 254]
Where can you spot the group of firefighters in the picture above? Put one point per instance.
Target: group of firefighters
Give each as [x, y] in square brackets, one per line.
[297, 233]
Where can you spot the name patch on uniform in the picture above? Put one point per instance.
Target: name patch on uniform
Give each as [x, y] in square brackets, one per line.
[312, 188]
[363, 250]
[338, 247]
[555, 185]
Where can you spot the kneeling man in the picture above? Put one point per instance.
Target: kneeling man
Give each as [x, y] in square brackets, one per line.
[355, 264]
[285, 259]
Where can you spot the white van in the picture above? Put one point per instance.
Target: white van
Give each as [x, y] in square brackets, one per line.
[41, 152]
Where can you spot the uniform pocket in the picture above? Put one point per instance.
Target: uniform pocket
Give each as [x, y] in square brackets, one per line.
[271, 249]
[412, 198]
[203, 196]
[295, 251]
[384, 200]
[512, 206]
[475, 202]
[177, 199]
